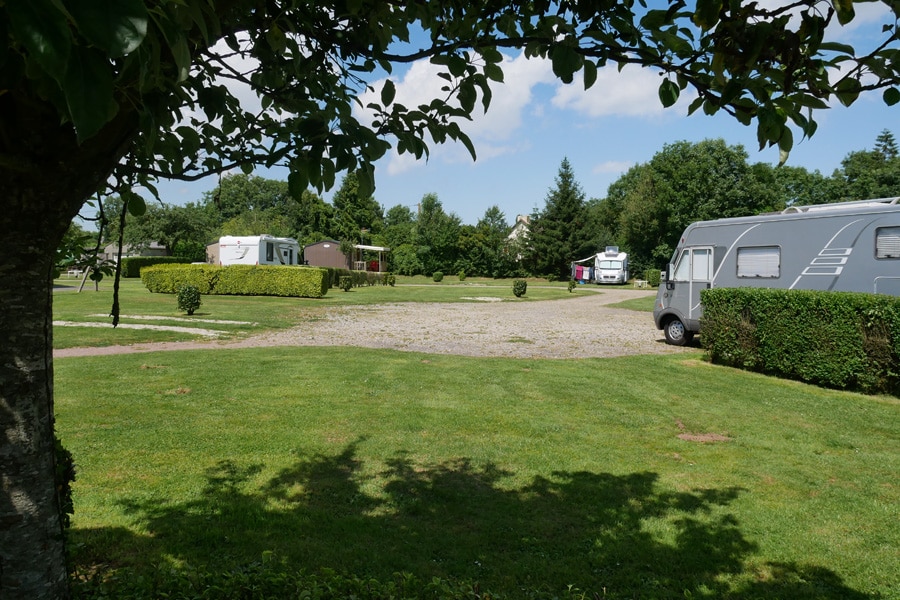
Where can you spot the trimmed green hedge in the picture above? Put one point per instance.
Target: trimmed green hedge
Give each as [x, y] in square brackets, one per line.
[132, 265]
[238, 280]
[834, 339]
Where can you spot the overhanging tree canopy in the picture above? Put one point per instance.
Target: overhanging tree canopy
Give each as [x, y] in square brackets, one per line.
[114, 93]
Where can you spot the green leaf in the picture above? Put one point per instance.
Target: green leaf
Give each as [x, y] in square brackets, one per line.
[88, 87]
[180, 51]
[117, 27]
[786, 142]
[43, 31]
[493, 72]
[707, 13]
[847, 91]
[366, 177]
[838, 48]
[844, 9]
[891, 96]
[668, 93]
[134, 204]
[566, 61]
[590, 74]
[467, 96]
[388, 92]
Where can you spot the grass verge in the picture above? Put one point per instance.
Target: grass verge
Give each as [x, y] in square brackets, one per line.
[674, 478]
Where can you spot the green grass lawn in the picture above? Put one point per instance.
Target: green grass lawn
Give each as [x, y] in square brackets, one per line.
[640, 477]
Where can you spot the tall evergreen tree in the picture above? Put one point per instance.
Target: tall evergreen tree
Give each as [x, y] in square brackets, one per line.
[886, 144]
[557, 234]
[355, 211]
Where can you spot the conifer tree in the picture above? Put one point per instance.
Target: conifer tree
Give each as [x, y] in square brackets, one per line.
[557, 234]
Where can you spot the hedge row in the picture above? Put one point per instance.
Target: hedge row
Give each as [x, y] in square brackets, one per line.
[246, 280]
[834, 339]
[132, 265]
[358, 278]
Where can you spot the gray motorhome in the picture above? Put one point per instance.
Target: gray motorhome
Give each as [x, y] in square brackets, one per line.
[847, 246]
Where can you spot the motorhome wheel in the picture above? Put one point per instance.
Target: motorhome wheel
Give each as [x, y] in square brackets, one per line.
[676, 334]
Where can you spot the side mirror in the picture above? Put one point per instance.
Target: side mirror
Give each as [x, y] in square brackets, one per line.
[667, 276]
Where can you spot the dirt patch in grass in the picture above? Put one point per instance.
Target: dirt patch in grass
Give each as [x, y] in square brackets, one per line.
[703, 438]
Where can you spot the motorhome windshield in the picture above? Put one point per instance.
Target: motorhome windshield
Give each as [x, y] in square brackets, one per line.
[610, 264]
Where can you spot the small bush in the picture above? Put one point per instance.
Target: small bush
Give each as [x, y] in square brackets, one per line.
[653, 277]
[462, 275]
[572, 285]
[520, 286]
[188, 299]
[389, 279]
[346, 283]
[438, 276]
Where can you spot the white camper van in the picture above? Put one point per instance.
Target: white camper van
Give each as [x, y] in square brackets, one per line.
[258, 250]
[610, 266]
[847, 246]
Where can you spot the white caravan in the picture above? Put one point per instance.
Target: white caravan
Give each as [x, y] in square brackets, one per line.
[847, 246]
[610, 266]
[258, 250]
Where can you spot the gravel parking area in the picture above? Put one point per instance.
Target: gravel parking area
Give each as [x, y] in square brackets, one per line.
[580, 327]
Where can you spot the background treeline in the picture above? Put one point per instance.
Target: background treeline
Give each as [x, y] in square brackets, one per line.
[643, 213]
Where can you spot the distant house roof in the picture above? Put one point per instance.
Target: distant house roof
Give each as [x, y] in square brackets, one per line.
[520, 229]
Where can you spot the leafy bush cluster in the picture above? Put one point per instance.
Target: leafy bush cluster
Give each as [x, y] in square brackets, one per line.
[346, 283]
[269, 579]
[188, 298]
[132, 265]
[357, 278]
[839, 340]
[246, 280]
[652, 277]
[520, 286]
[438, 276]
[571, 286]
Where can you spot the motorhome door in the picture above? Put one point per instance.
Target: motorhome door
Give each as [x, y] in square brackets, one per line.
[693, 273]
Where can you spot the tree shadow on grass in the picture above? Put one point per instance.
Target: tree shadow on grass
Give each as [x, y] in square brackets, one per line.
[616, 536]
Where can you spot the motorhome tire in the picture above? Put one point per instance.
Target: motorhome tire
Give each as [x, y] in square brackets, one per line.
[676, 333]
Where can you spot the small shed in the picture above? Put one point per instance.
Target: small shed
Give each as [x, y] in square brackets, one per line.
[326, 253]
[362, 252]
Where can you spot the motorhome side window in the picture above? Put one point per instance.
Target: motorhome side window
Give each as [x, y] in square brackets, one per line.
[270, 252]
[694, 264]
[759, 262]
[887, 242]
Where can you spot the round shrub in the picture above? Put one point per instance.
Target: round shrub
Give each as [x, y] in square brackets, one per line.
[188, 298]
[346, 283]
[438, 276]
[462, 275]
[571, 285]
[519, 287]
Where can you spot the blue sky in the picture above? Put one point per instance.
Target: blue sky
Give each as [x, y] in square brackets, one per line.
[535, 121]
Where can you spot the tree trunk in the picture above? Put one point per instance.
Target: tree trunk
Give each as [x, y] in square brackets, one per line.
[32, 559]
[45, 177]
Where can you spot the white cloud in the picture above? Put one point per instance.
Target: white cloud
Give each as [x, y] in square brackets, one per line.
[491, 132]
[631, 92]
